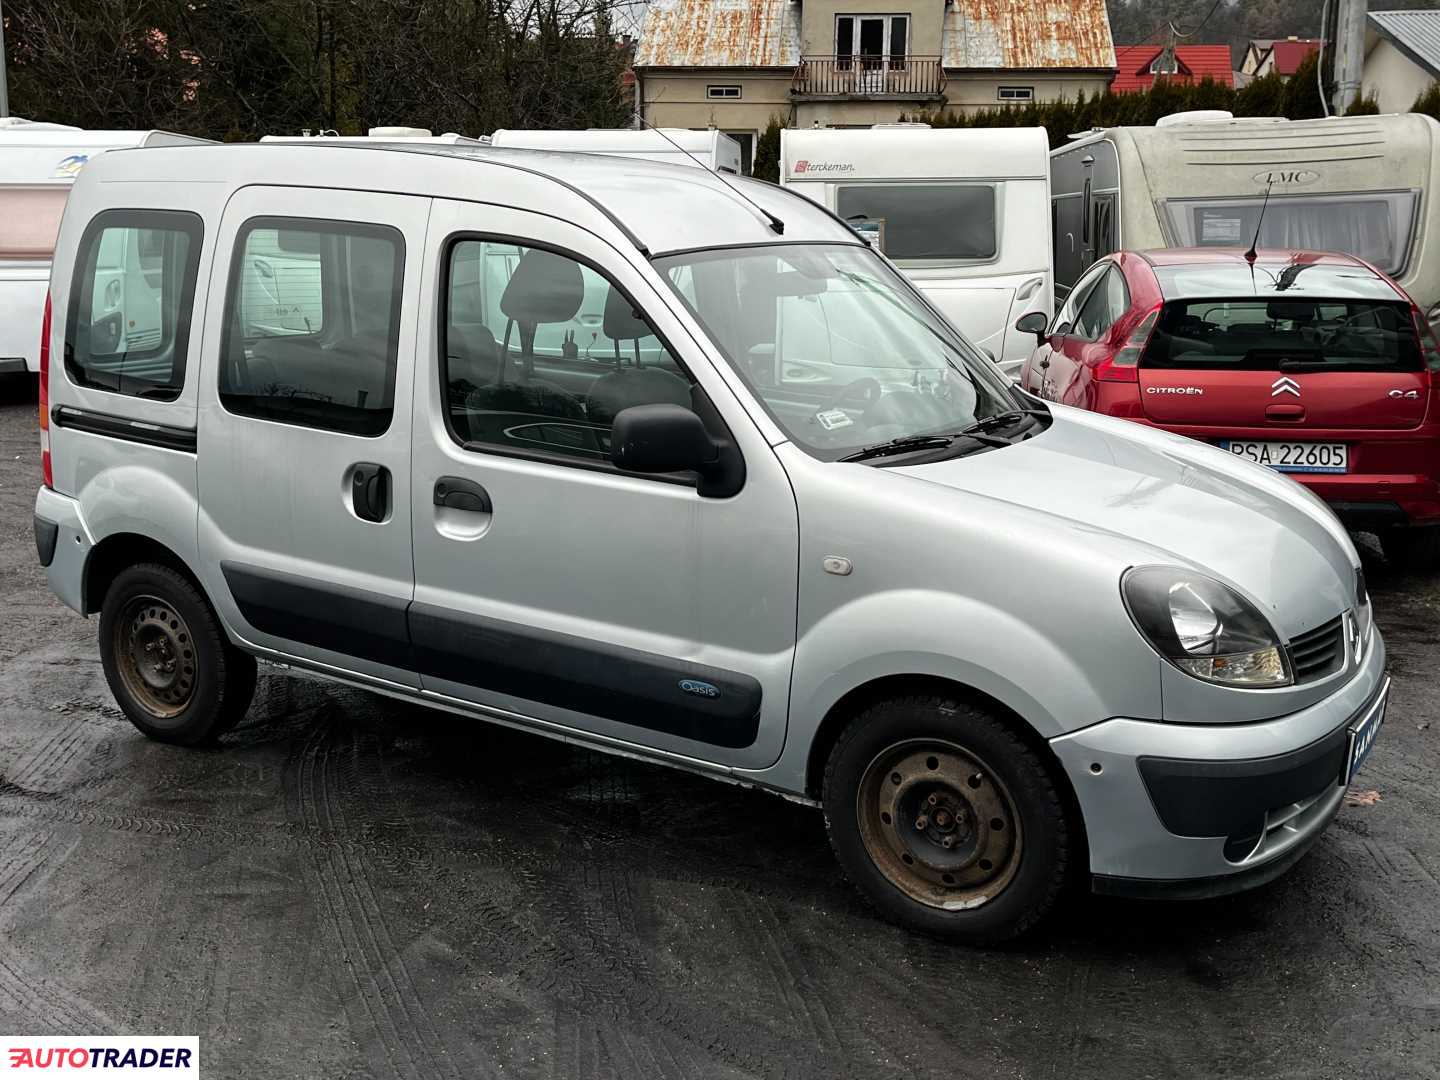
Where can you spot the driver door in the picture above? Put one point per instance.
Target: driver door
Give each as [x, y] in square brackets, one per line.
[549, 586]
[1051, 363]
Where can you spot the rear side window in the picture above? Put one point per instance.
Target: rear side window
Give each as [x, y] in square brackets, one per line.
[312, 324]
[924, 221]
[1285, 334]
[128, 326]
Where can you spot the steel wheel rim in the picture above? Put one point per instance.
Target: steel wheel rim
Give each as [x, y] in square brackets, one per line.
[939, 824]
[155, 654]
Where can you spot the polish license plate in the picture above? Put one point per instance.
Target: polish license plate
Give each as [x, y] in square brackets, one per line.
[1301, 457]
[1362, 735]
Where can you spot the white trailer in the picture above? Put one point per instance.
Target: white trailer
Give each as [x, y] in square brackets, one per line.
[963, 213]
[1362, 185]
[709, 148]
[38, 165]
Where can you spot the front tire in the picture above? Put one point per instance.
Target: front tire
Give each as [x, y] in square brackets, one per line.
[946, 820]
[167, 660]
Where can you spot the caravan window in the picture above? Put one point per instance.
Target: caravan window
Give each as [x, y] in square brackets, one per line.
[1376, 226]
[948, 222]
[30, 220]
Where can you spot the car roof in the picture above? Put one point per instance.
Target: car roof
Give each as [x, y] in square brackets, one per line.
[656, 206]
[1205, 273]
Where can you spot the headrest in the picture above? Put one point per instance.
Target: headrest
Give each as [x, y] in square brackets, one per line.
[622, 322]
[545, 288]
[1291, 310]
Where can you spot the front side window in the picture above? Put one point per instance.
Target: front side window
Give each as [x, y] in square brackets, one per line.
[130, 304]
[1377, 226]
[1105, 304]
[312, 324]
[542, 351]
[1288, 334]
[946, 222]
[839, 349]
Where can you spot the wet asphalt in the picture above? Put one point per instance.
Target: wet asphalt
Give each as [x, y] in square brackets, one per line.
[349, 887]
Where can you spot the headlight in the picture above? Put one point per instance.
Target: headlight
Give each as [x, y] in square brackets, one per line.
[1204, 628]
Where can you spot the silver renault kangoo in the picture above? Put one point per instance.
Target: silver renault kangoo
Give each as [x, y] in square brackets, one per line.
[674, 465]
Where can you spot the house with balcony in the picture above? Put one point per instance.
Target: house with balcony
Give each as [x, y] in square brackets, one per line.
[733, 64]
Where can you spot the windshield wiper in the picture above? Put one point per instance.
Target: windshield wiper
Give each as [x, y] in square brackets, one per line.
[1009, 416]
[902, 445]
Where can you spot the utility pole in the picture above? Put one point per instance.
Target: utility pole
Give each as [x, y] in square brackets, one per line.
[1349, 52]
[4, 87]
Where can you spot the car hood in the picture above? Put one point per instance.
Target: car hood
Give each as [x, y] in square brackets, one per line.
[1146, 496]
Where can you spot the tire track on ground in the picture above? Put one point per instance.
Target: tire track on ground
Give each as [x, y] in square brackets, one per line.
[799, 988]
[43, 1001]
[384, 988]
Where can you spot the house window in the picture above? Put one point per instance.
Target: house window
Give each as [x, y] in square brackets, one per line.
[732, 92]
[1017, 93]
[1165, 64]
[872, 39]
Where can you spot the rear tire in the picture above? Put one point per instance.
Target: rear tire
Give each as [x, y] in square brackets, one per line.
[167, 660]
[1415, 550]
[946, 820]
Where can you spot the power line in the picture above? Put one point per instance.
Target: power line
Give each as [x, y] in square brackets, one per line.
[1191, 33]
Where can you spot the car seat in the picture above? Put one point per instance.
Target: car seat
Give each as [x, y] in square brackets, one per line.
[638, 385]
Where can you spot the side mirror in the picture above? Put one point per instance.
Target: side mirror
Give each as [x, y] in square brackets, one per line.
[1033, 322]
[661, 439]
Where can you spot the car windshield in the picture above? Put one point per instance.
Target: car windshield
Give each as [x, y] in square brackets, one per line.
[838, 347]
[1273, 334]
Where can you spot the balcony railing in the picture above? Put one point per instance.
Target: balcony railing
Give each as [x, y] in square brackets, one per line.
[903, 78]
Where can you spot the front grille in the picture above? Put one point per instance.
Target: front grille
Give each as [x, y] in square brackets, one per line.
[1319, 652]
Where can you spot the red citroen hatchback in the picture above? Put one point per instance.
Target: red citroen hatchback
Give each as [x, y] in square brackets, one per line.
[1317, 365]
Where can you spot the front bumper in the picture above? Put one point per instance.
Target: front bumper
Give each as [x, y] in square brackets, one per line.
[1203, 809]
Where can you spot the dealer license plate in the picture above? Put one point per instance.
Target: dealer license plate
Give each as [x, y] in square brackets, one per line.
[1362, 735]
[1302, 457]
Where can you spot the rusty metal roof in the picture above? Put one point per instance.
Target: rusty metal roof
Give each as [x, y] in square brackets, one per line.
[981, 34]
[1027, 34]
[720, 33]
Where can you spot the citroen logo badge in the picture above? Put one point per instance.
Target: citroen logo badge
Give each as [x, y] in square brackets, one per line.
[1284, 385]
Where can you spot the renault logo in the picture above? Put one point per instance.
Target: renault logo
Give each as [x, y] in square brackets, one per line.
[1284, 385]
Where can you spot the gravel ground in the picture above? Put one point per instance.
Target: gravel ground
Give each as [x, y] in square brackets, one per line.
[353, 888]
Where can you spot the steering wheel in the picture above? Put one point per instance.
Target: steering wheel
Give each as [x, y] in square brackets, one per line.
[873, 391]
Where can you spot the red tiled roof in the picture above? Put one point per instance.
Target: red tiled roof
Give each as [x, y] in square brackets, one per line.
[1288, 54]
[1195, 62]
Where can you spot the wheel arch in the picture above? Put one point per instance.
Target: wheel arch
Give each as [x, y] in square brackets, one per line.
[884, 687]
[120, 550]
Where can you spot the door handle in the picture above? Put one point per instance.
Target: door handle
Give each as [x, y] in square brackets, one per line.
[370, 491]
[457, 493]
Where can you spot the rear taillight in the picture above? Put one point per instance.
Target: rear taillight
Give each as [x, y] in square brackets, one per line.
[45, 468]
[1122, 367]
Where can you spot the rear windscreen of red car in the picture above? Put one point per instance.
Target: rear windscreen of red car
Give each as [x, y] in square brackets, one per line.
[1269, 334]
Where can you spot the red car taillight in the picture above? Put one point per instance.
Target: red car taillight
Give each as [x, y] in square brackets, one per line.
[45, 468]
[1122, 367]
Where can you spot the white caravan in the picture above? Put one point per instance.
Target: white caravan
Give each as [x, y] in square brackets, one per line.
[1356, 184]
[398, 135]
[708, 147]
[38, 164]
[963, 213]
